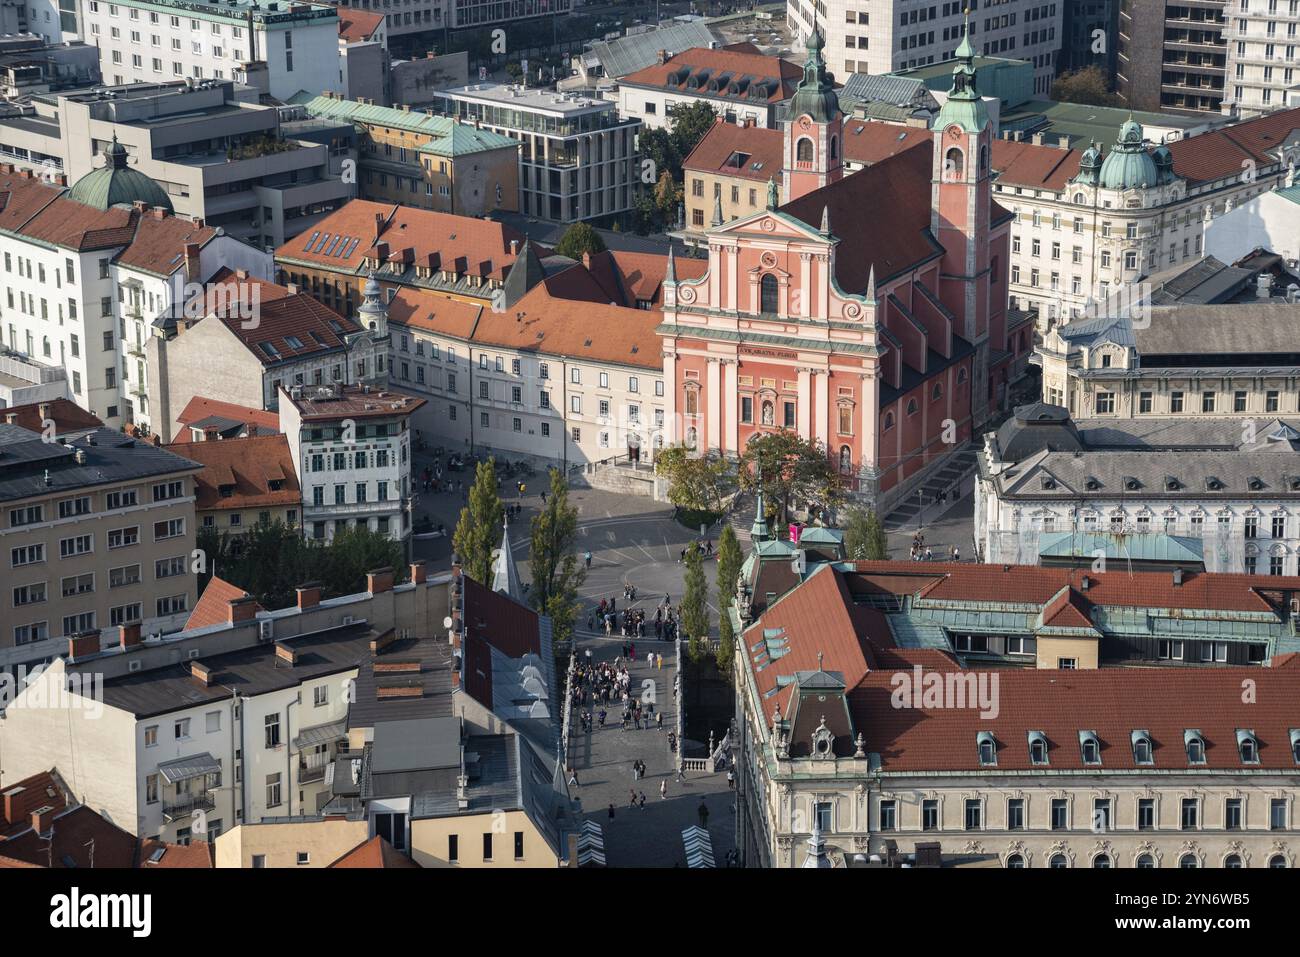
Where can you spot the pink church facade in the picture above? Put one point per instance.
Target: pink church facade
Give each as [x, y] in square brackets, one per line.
[868, 312]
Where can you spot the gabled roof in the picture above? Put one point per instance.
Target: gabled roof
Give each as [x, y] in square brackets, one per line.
[290, 325]
[66, 415]
[19, 799]
[721, 74]
[1225, 152]
[213, 606]
[732, 150]
[247, 468]
[869, 143]
[375, 853]
[1034, 165]
[200, 408]
[357, 26]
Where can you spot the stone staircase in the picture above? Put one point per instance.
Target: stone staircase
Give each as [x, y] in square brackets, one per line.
[958, 465]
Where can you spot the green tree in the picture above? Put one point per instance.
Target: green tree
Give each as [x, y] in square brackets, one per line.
[793, 469]
[694, 607]
[554, 561]
[578, 239]
[689, 124]
[1088, 86]
[864, 536]
[730, 560]
[480, 524]
[696, 483]
[341, 566]
[667, 195]
[658, 146]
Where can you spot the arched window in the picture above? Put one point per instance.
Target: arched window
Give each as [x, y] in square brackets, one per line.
[1015, 860]
[1188, 862]
[803, 150]
[961, 376]
[936, 393]
[1101, 861]
[1232, 860]
[846, 459]
[954, 163]
[984, 159]
[768, 294]
[911, 407]
[1079, 199]
[889, 421]
[1059, 860]
[835, 148]
[1277, 862]
[1145, 862]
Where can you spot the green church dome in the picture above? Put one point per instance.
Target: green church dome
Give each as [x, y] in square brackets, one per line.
[816, 94]
[1129, 166]
[115, 184]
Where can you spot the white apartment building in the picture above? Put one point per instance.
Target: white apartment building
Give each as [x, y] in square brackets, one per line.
[81, 283]
[147, 41]
[231, 721]
[351, 448]
[1238, 497]
[1263, 37]
[882, 36]
[1268, 221]
[1089, 225]
[579, 158]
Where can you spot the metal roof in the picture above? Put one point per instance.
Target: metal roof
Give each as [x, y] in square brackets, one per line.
[182, 769]
[628, 54]
[320, 734]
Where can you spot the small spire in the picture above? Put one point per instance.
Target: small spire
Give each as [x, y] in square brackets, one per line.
[758, 532]
[670, 274]
[871, 283]
[505, 577]
[826, 220]
[819, 666]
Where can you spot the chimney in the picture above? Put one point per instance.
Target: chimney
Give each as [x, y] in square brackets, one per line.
[292, 287]
[43, 819]
[11, 418]
[192, 262]
[379, 225]
[286, 654]
[1064, 143]
[129, 636]
[1263, 285]
[308, 596]
[419, 572]
[44, 410]
[250, 429]
[241, 609]
[514, 247]
[1084, 583]
[379, 581]
[241, 274]
[1037, 139]
[202, 673]
[82, 645]
[1178, 577]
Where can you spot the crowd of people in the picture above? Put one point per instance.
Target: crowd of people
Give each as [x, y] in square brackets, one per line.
[923, 553]
[633, 622]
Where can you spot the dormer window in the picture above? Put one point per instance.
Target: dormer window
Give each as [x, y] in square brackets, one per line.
[988, 749]
[1256, 483]
[1131, 484]
[1090, 747]
[1295, 745]
[1092, 484]
[1048, 482]
[1172, 484]
[1212, 484]
[1037, 748]
[1195, 744]
[1142, 748]
[1247, 746]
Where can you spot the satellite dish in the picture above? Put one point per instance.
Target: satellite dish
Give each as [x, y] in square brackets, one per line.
[446, 622]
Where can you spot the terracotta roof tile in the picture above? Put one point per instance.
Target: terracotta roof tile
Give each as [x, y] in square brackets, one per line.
[246, 466]
[159, 242]
[356, 26]
[74, 832]
[197, 855]
[289, 325]
[213, 606]
[1034, 165]
[433, 312]
[739, 65]
[201, 407]
[344, 239]
[66, 415]
[732, 150]
[869, 143]
[375, 853]
[20, 799]
[1222, 152]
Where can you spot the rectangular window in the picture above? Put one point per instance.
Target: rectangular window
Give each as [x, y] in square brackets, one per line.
[1060, 812]
[888, 815]
[930, 815]
[1016, 814]
[272, 729]
[974, 814]
[1146, 815]
[1189, 814]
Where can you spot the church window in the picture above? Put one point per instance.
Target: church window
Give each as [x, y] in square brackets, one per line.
[768, 294]
[804, 150]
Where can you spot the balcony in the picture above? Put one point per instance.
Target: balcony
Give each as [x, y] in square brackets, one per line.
[311, 767]
[184, 805]
[135, 349]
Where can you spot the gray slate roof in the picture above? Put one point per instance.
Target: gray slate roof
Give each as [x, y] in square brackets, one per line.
[110, 457]
[628, 54]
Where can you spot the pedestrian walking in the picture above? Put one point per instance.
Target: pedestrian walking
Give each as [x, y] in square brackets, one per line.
[642, 802]
[611, 810]
[586, 556]
[663, 790]
[956, 554]
[659, 720]
[573, 777]
[632, 802]
[704, 813]
[731, 779]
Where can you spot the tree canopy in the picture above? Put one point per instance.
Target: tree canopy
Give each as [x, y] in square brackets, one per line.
[694, 482]
[864, 536]
[794, 471]
[1089, 86]
[479, 529]
[578, 239]
[553, 559]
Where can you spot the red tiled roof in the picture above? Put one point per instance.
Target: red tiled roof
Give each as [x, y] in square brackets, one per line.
[83, 228]
[433, 312]
[77, 834]
[1067, 610]
[869, 143]
[356, 26]
[213, 606]
[66, 415]
[760, 151]
[737, 64]
[1034, 165]
[1030, 584]
[248, 466]
[641, 275]
[283, 316]
[160, 240]
[20, 799]
[421, 237]
[375, 853]
[197, 855]
[22, 196]
[1222, 152]
[354, 401]
[897, 191]
[541, 322]
[1112, 702]
[201, 407]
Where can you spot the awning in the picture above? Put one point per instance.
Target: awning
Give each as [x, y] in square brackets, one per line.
[193, 766]
[320, 734]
